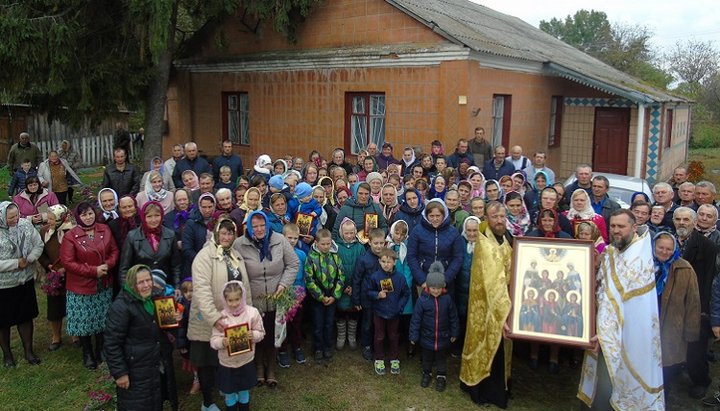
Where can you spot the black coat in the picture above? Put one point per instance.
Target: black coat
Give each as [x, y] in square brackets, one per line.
[132, 347]
[434, 321]
[137, 250]
[123, 182]
[701, 253]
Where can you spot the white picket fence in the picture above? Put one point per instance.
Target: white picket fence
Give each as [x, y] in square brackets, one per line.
[94, 150]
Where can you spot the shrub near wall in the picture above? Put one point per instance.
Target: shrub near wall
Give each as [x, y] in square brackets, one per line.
[705, 136]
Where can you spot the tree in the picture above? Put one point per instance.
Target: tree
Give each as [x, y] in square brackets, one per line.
[695, 63]
[587, 31]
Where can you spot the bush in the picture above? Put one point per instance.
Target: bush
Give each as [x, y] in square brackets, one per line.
[705, 136]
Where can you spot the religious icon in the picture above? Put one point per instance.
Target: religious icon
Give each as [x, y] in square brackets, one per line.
[165, 312]
[304, 223]
[386, 285]
[239, 339]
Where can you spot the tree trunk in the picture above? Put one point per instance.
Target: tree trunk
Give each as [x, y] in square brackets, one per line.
[156, 97]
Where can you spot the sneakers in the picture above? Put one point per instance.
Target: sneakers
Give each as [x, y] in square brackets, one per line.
[440, 383]
[299, 356]
[425, 380]
[367, 353]
[283, 359]
[713, 400]
[395, 367]
[318, 356]
[379, 367]
[328, 356]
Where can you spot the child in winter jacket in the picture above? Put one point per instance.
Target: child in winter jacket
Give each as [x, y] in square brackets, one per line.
[303, 203]
[349, 250]
[236, 373]
[294, 327]
[434, 325]
[17, 183]
[390, 292]
[325, 282]
[397, 241]
[367, 264]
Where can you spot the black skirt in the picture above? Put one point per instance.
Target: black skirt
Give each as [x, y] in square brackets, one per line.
[230, 380]
[18, 304]
[202, 354]
[56, 307]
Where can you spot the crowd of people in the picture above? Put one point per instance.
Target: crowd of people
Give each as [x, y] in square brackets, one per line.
[412, 252]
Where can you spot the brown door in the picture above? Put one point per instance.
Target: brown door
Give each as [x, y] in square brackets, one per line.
[610, 148]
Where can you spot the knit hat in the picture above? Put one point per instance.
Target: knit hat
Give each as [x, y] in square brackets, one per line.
[436, 276]
[373, 176]
[303, 190]
[277, 182]
[159, 277]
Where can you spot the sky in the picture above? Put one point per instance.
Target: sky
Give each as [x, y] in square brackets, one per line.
[670, 21]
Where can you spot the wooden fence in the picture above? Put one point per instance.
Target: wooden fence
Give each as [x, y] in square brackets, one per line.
[94, 150]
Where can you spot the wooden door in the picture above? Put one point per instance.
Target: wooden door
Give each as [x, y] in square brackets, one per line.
[611, 138]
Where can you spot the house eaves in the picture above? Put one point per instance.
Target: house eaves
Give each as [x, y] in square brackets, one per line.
[588, 81]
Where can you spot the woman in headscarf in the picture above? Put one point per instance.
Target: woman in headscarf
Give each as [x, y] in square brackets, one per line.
[190, 180]
[278, 213]
[216, 264]
[262, 168]
[518, 219]
[34, 201]
[581, 210]
[107, 205]
[310, 174]
[57, 176]
[280, 168]
[438, 188]
[470, 232]
[532, 196]
[152, 245]
[389, 202]
[251, 202]
[427, 162]
[342, 194]
[506, 183]
[89, 254]
[493, 191]
[155, 191]
[60, 220]
[175, 219]
[328, 215]
[639, 196]
[375, 180]
[20, 248]
[411, 209]
[519, 182]
[156, 165]
[408, 160]
[272, 266]
[548, 225]
[127, 221]
[477, 181]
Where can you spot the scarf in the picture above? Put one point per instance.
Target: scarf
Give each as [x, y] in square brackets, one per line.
[63, 223]
[21, 233]
[662, 269]
[182, 216]
[518, 225]
[152, 234]
[470, 244]
[501, 192]
[707, 231]
[262, 244]
[586, 214]
[112, 214]
[81, 208]
[434, 194]
[241, 307]
[244, 206]
[556, 224]
[224, 253]
[153, 195]
[261, 163]
[195, 183]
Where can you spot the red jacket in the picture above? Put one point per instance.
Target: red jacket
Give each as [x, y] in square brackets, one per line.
[81, 257]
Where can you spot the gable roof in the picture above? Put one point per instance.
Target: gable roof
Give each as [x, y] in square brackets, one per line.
[488, 31]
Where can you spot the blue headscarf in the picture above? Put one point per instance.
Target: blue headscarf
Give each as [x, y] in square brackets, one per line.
[262, 244]
[548, 182]
[663, 268]
[434, 194]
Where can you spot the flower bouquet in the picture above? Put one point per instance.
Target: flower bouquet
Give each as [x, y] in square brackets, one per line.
[53, 284]
[102, 398]
[287, 304]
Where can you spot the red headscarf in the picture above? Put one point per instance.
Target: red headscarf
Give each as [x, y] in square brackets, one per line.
[556, 225]
[152, 234]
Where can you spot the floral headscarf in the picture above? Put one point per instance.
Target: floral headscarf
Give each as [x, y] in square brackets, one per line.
[64, 221]
[153, 195]
[586, 214]
[556, 224]
[517, 225]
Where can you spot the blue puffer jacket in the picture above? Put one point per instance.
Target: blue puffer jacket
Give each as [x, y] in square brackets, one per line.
[366, 265]
[412, 216]
[394, 302]
[295, 206]
[462, 284]
[428, 244]
[193, 239]
[434, 322]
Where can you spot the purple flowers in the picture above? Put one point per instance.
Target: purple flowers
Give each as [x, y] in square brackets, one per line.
[54, 283]
[289, 302]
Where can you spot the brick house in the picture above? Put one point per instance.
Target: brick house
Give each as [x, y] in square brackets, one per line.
[411, 71]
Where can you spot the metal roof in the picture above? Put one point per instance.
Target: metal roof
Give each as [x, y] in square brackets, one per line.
[488, 31]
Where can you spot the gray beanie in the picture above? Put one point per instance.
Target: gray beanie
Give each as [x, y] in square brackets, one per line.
[436, 276]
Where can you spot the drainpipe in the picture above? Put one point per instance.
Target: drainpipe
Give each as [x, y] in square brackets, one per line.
[639, 140]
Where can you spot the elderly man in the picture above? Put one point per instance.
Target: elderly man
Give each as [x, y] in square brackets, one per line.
[628, 336]
[192, 161]
[480, 148]
[121, 176]
[680, 175]
[169, 165]
[227, 158]
[462, 153]
[701, 253]
[705, 194]
[372, 149]
[686, 195]
[707, 217]
[538, 164]
[23, 150]
[641, 210]
[497, 166]
[663, 194]
[583, 176]
[600, 200]
[518, 160]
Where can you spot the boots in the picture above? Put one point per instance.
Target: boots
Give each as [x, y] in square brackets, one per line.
[341, 334]
[99, 340]
[352, 333]
[88, 356]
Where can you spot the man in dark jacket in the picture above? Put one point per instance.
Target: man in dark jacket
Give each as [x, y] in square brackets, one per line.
[600, 200]
[191, 162]
[480, 148]
[195, 233]
[461, 152]
[583, 176]
[23, 150]
[498, 166]
[701, 253]
[227, 158]
[663, 194]
[121, 176]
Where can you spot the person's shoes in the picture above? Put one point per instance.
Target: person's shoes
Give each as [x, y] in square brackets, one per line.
[440, 383]
[533, 364]
[318, 356]
[425, 380]
[89, 361]
[299, 356]
[328, 355]
[10, 362]
[713, 400]
[697, 391]
[211, 407]
[367, 353]
[455, 353]
[554, 368]
[283, 359]
[411, 351]
[32, 359]
[55, 346]
[395, 367]
[379, 367]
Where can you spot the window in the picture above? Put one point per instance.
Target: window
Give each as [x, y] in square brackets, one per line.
[502, 107]
[364, 120]
[669, 128]
[556, 110]
[236, 113]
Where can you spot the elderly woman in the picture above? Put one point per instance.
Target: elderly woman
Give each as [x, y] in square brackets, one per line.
[60, 220]
[134, 345]
[435, 239]
[272, 266]
[357, 208]
[152, 245]
[107, 205]
[224, 200]
[328, 215]
[89, 255]
[216, 264]
[581, 210]
[175, 219]
[53, 174]
[20, 247]
[34, 201]
[156, 190]
[156, 166]
[278, 214]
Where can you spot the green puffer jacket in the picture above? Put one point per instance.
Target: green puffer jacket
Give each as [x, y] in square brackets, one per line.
[324, 274]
